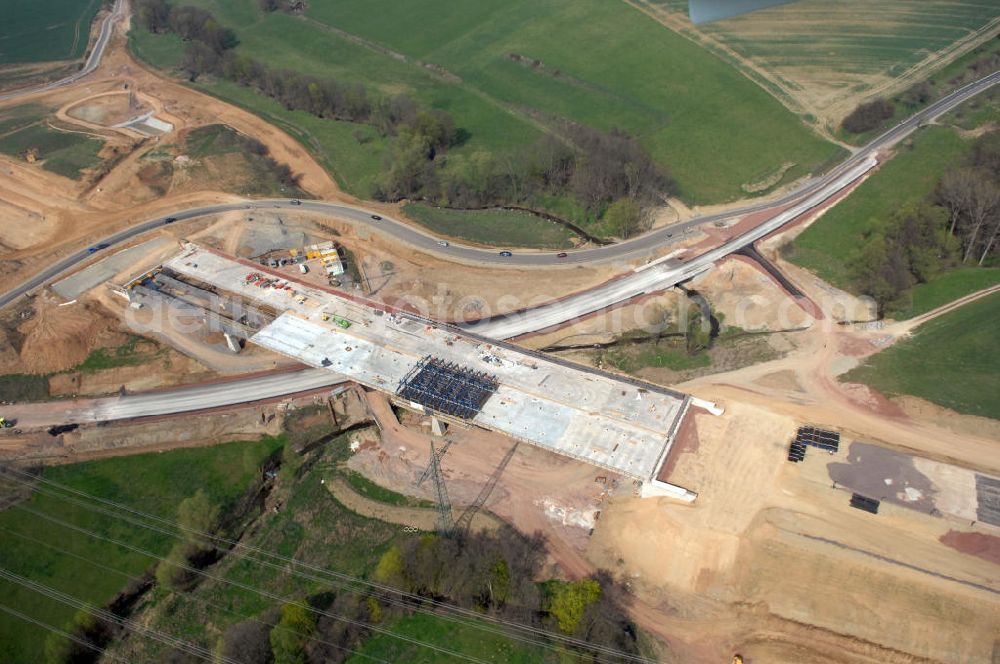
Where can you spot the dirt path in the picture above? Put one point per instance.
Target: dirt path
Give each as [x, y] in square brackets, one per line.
[812, 392]
[423, 518]
[907, 326]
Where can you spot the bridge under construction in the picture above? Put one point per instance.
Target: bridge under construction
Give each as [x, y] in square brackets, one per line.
[621, 424]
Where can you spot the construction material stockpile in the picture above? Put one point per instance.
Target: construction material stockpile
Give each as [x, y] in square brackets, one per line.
[823, 439]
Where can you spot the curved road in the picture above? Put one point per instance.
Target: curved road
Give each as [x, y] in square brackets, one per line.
[93, 60]
[635, 247]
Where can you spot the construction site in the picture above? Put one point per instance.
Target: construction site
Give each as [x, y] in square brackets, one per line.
[812, 519]
[619, 424]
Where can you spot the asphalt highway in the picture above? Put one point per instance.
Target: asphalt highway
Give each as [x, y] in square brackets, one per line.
[811, 193]
[637, 247]
[93, 60]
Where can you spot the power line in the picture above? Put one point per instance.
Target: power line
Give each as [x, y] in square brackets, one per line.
[55, 630]
[243, 586]
[187, 593]
[386, 593]
[107, 616]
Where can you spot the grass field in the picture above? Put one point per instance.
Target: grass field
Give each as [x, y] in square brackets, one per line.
[951, 360]
[33, 31]
[828, 56]
[365, 487]
[153, 483]
[129, 354]
[354, 163]
[830, 244]
[981, 110]
[668, 354]
[602, 64]
[64, 153]
[946, 288]
[23, 387]
[430, 629]
[493, 227]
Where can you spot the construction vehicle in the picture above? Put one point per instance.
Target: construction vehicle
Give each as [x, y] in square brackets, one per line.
[5, 423]
[737, 659]
[342, 322]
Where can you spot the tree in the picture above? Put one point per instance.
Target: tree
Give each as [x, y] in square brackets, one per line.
[390, 566]
[248, 641]
[866, 117]
[154, 15]
[290, 636]
[195, 514]
[568, 601]
[625, 217]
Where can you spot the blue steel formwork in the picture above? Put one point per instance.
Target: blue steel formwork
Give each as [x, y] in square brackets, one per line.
[448, 388]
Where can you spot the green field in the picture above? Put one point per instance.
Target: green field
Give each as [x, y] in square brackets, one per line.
[945, 288]
[312, 527]
[951, 360]
[830, 244]
[23, 387]
[668, 354]
[67, 154]
[819, 52]
[493, 227]
[354, 163]
[429, 629]
[129, 354]
[153, 483]
[34, 31]
[603, 64]
[983, 109]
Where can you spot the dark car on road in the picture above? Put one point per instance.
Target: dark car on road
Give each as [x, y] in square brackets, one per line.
[376, 217]
[170, 220]
[296, 201]
[98, 247]
[561, 254]
[506, 254]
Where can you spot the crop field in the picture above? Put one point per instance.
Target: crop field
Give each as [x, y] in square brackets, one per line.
[827, 56]
[67, 154]
[33, 31]
[78, 564]
[951, 360]
[830, 245]
[508, 71]
[493, 227]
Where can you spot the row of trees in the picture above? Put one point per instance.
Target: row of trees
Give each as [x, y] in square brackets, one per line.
[209, 51]
[191, 23]
[608, 172]
[959, 224]
[493, 573]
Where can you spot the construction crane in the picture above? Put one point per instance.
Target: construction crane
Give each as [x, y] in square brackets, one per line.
[465, 521]
[445, 525]
[430, 466]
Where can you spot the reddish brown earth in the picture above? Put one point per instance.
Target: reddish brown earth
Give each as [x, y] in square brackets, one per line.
[980, 545]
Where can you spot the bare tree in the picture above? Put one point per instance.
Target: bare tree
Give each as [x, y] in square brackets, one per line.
[983, 207]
